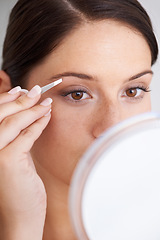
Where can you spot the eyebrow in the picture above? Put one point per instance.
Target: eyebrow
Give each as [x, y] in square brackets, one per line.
[72, 74]
[140, 75]
[89, 77]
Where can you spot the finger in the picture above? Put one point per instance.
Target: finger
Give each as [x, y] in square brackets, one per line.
[23, 102]
[10, 96]
[14, 124]
[24, 142]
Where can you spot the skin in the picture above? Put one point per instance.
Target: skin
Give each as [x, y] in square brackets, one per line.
[112, 59]
[104, 51]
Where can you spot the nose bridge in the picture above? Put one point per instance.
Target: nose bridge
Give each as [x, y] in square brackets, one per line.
[107, 116]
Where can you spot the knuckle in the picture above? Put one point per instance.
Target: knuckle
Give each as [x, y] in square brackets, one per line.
[9, 121]
[20, 102]
[27, 133]
[35, 110]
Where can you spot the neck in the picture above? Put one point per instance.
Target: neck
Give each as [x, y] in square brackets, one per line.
[57, 224]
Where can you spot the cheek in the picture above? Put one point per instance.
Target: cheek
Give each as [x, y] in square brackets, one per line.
[69, 124]
[146, 104]
[62, 143]
[70, 131]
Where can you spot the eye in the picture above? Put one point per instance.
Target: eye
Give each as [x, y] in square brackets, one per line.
[133, 92]
[77, 95]
[136, 92]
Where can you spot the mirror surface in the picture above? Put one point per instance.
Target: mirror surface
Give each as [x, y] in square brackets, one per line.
[115, 191]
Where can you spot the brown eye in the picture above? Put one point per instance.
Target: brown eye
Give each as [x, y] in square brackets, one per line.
[77, 95]
[131, 92]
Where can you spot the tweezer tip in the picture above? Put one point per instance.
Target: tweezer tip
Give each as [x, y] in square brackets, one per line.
[51, 85]
[58, 81]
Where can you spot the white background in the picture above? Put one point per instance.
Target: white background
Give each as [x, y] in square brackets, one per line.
[152, 7]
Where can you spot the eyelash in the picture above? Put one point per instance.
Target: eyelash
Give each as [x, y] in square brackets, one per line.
[134, 98]
[67, 93]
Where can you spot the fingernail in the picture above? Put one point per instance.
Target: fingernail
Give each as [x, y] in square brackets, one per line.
[34, 92]
[46, 102]
[46, 115]
[15, 90]
[24, 91]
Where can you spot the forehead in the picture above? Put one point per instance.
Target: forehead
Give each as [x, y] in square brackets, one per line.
[103, 48]
[104, 39]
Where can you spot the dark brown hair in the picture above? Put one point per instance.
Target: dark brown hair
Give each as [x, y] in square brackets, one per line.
[36, 27]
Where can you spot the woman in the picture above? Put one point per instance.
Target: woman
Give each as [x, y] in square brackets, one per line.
[104, 51]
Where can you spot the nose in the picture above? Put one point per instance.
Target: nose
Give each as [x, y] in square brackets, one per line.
[106, 117]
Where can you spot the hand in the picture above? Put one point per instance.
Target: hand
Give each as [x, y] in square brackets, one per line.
[22, 193]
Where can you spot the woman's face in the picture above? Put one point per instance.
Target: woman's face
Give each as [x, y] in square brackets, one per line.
[106, 71]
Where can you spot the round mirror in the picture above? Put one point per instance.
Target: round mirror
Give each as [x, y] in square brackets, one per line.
[115, 190]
